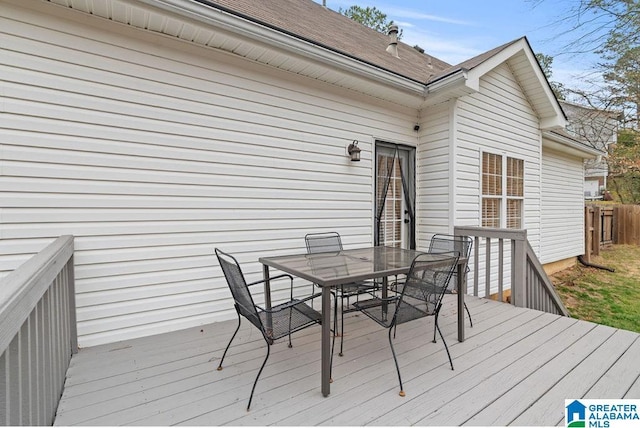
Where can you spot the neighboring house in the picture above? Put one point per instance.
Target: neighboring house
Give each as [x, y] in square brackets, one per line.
[597, 128]
[156, 130]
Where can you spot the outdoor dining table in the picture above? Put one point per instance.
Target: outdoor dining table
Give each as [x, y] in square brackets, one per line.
[332, 269]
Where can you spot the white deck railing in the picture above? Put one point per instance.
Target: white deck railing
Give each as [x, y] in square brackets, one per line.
[37, 335]
[530, 286]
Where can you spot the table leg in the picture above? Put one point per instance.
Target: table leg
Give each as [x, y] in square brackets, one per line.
[461, 291]
[326, 341]
[267, 296]
[385, 295]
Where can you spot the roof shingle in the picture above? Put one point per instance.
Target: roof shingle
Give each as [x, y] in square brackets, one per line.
[317, 24]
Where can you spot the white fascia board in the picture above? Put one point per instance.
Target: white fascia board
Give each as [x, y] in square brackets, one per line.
[455, 80]
[270, 37]
[553, 123]
[491, 63]
[451, 86]
[521, 47]
[570, 146]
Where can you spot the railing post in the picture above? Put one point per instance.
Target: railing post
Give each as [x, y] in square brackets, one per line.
[597, 230]
[519, 271]
[73, 325]
[588, 227]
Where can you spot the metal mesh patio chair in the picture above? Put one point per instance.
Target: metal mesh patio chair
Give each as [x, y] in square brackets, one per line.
[279, 321]
[462, 244]
[329, 242]
[420, 296]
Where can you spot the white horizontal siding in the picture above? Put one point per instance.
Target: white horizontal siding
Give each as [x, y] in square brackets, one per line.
[433, 173]
[562, 207]
[152, 152]
[497, 119]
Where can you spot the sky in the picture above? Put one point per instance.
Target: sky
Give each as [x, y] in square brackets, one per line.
[456, 30]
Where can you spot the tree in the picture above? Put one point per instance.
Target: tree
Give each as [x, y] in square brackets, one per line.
[622, 73]
[545, 62]
[610, 28]
[624, 167]
[592, 22]
[370, 17]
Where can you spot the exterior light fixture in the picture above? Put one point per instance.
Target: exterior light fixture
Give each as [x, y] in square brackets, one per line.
[354, 151]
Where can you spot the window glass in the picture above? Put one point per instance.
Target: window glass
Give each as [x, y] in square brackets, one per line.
[514, 213]
[515, 177]
[490, 212]
[491, 174]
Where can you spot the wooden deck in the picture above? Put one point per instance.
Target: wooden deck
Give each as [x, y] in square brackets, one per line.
[516, 367]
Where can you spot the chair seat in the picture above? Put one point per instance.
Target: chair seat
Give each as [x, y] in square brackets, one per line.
[288, 317]
[383, 310]
[356, 288]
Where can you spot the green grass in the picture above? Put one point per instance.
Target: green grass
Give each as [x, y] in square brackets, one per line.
[609, 298]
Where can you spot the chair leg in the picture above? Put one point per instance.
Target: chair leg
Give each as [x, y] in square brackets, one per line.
[342, 324]
[336, 330]
[395, 360]
[468, 313]
[435, 326]
[229, 344]
[257, 377]
[290, 316]
[470, 322]
[445, 343]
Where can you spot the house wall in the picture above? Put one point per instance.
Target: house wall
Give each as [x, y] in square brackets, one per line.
[434, 173]
[152, 152]
[562, 219]
[498, 119]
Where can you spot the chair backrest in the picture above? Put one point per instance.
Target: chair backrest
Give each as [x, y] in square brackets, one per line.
[239, 289]
[325, 242]
[461, 244]
[426, 284]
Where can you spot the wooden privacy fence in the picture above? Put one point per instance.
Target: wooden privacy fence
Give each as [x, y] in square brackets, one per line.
[617, 224]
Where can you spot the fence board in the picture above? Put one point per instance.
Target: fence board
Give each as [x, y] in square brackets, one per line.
[604, 225]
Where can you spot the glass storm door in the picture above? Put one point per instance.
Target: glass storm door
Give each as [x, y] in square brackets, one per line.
[395, 196]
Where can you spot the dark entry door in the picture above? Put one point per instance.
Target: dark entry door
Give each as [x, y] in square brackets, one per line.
[395, 195]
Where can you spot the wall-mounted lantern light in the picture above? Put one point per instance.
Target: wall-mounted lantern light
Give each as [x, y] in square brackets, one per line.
[354, 151]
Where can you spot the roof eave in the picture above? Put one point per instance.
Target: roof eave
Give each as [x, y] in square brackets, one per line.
[453, 85]
[570, 146]
[268, 36]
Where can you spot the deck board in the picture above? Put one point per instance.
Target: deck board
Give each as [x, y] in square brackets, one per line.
[516, 367]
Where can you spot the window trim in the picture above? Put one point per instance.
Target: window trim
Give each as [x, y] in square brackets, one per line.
[503, 197]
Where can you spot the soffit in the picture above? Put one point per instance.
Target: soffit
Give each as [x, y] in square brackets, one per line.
[205, 26]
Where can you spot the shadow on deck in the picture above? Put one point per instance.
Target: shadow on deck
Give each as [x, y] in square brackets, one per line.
[516, 367]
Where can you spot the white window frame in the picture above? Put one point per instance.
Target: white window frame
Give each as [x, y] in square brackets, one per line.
[503, 198]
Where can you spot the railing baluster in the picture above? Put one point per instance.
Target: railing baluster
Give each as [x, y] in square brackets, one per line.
[476, 267]
[501, 270]
[487, 269]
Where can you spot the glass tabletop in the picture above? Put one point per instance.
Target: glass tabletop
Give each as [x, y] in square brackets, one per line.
[341, 267]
